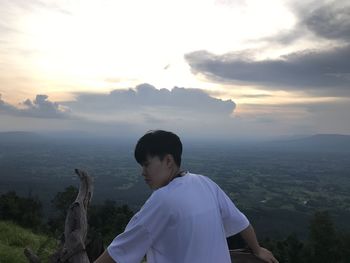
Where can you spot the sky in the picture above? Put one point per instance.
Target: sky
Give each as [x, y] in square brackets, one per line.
[236, 69]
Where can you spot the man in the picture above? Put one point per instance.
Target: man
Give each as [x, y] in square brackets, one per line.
[186, 219]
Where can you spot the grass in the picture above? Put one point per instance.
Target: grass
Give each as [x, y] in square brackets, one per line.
[13, 240]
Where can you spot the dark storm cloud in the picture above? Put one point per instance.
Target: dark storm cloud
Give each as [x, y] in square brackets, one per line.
[330, 20]
[40, 107]
[325, 72]
[320, 19]
[311, 67]
[146, 98]
[301, 70]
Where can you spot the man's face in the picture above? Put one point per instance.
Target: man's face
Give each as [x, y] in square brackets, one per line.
[157, 172]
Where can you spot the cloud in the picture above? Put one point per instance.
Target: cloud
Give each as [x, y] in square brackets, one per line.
[9, 10]
[145, 107]
[324, 72]
[10, 25]
[6, 29]
[133, 111]
[7, 108]
[146, 98]
[31, 5]
[317, 21]
[144, 103]
[329, 20]
[40, 107]
[253, 96]
[305, 70]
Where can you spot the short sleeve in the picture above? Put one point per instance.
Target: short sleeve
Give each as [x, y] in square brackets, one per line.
[141, 232]
[234, 221]
[130, 246]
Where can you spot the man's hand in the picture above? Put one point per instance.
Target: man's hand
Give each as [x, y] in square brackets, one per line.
[265, 255]
[249, 237]
[105, 258]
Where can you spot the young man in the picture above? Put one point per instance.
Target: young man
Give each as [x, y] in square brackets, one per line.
[186, 219]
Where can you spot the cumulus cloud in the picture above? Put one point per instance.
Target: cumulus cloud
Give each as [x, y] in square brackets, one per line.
[162, 103]
[145, 107]
[40, 107]
[188, 112]
[6, 108]
[144, 103]
[133, 110]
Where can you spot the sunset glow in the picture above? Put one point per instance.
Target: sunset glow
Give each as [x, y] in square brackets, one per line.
[65, 48]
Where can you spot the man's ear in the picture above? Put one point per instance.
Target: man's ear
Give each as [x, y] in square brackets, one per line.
[169, 160]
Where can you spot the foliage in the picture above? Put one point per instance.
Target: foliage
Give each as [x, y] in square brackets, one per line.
[25, 211]
[63, 200]
[323, 239]
[105, 221]
[109, 219]
[60, 204]
[13, 240]
[289, 250]
[344, 247]
[325, 244]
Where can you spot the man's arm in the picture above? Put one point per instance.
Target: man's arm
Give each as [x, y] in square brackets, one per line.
[249, 237]
[104, 258]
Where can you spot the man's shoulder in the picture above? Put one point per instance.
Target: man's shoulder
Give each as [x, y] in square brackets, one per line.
[201, 177]
[196, 176]
[173, 189]
[176, 187]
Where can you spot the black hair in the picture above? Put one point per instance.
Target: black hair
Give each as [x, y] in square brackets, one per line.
[158, 143]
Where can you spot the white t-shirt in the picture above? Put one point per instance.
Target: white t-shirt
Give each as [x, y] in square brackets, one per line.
[186, 221]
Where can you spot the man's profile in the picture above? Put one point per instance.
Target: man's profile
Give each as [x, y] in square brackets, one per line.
[186, 219]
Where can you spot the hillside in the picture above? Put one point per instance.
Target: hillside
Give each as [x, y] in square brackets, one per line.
[13, 240]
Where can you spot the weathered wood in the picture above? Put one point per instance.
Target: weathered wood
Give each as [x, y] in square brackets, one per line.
[72, 247]
[76, 225]
[31, 256]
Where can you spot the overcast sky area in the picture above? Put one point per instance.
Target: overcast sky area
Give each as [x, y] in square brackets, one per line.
[231, 69]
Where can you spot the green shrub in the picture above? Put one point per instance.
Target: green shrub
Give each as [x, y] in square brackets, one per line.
[13, 240]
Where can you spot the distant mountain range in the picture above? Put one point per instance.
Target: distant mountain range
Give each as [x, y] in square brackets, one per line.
[314, 143]
[20, 137]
